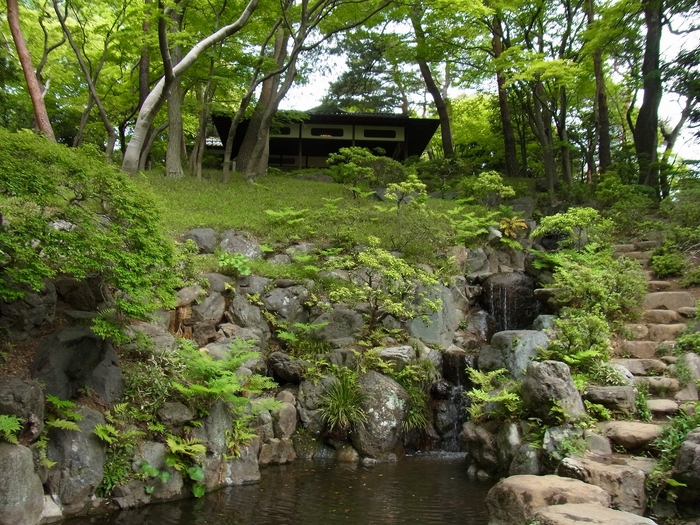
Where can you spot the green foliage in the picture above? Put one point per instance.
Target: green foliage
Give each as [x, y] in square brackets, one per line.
[340, 406]
[582, 341]
[683, 206]
[487, 189]
[688, 343]
[597, 411]
[66, 210]
[9, 428]
[495, 396]
[691, 278]
[60, 414]
[301, 342]
[388, 284]
[578, 226]
[416, 378]
[358, 169]
[628, 205]
[234, 264]
[668, 263]
[471, 225]
[595, 281]
[641, 402]
[659, 484]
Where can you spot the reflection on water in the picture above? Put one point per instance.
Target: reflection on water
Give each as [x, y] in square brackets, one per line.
[425, 490]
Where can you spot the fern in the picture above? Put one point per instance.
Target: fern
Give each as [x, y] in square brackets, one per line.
[63, 424]
[106, 432]
[191, 448]
[9, 428]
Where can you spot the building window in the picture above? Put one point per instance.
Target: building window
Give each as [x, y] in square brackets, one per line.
[379, 133]
[327, 132]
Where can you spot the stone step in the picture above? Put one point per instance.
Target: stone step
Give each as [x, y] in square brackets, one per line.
[664, 332]
[646, 245]
[658, 286]
[661, 316]
[637, 349]
[659, 385]
[688, 311]
[662, 408]
[642, 367]
[668, 301]
[631, 435]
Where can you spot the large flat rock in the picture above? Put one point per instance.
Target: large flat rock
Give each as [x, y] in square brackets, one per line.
[576, 513]
[631, 435]
[515, 500]
[668, 300]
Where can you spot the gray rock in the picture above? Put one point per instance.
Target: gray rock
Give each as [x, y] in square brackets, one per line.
[385, 405]
[218, 282]
[632, 435]
[175, 415]
[76, 294]
[212, 308]
[341, 325]
[243, 469]
[217, 427]
[481, 445]
[29, 316]
[400, 356]
[284, 421]
[262, 424]
[455, 362]
[231, 242]
[508, 443]
[253, 285]
[154, 454]
[204, 238]
[547, 382]
[288, 303]
[343, 357]
[80, 458]
[597, 444]
[441, 326]
[21, 493]
[286, 368]
[158, 337]
[513, 350]
[189, 295]
[687, 470]
[527, 460]
[247, 315]
[280, 258]
[476, 261]
[624, 484]
[553, 443]
[574, 513]
[309, 402]
[204, 333]
[515, 500]
[76, 358]
[620, 399]
[544, 322]
[25, 400]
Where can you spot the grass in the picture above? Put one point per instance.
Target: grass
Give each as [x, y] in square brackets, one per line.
[305, 210]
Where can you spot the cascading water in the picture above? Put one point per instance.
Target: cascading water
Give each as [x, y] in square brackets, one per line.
[510, 299]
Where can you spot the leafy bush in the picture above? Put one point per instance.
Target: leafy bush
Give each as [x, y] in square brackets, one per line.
[439, 174]
[66, 210]
[234, 264]
[579, 226]
[683, 207]
[487, 188]
[668, 264]
[596, 281]
[340, 406]
[691, 278]
[495, 396]
[688, 343]
[358, 169]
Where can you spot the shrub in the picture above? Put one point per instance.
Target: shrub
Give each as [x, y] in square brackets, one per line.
[340, 406]
[668, 264]
[487, 188]
[579, 226]
[359, 169]
[66, 210]
[495, 396]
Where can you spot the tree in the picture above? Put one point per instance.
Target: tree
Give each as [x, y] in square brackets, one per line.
[41, 117]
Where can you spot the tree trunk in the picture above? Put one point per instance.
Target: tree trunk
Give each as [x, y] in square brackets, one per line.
[601, 115]
[173, 152]
[503, 105]
[542, 127]
[645, 131]
[156, 97]
[78, 140]
[41, 117]
[565, 148]
[433, 89]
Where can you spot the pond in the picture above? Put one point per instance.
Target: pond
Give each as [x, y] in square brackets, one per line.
[422, 489]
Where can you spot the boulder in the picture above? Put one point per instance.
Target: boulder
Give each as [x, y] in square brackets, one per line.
[342, 325]
[574, 513]
[638, 349]
[385, 405]
[175, 415]
[480, 441]
[455, 362]
[515, 500]
[218, 282]
[661, 316]
[441, 326]
[29, 316]
[309, 403]
[481, 325]
[513, 350]
[557, 443]
[399, 356]
[153, 453]
[544, 322]
[243, 469]
[625, 484]
[189, 295]
[204, 333]
[204, 238]
[217, 426]
[80, 459]
[616, 398]
[286, 368]
[510, 299]
[668, 300]
[631, 435]
[231, 242]
[247, 315]
[253, 285]
[549, 381]
[157, 338]
[288, 303]
[527, 460]
[77, 294]
[687, 470]
[261, 423]
[25, 400]
[77, 358]
[642, 367]
[284, 421]
[21, 493]
[212, 308]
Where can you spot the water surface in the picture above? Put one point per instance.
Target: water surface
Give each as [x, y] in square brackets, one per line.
[426, 490]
